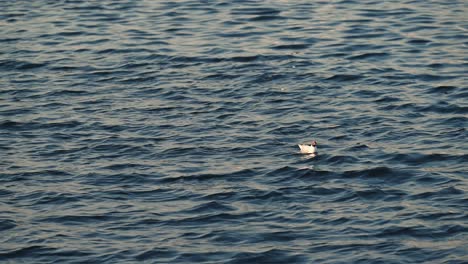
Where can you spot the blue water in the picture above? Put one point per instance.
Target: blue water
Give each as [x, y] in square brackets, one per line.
[167, 132]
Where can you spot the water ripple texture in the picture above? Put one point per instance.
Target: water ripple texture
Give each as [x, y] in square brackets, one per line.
[167, 131]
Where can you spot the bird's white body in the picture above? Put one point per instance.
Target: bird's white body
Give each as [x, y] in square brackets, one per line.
[308, 149]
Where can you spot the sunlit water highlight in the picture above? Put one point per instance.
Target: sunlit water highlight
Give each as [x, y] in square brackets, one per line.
[167, 132]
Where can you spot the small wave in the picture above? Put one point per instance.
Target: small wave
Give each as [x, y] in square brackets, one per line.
[419, 41]
[255, 11]
[265, 18]
[52, 198]
[370, 55]
[24, 252]
[262, 195]
[443, 89]
[184, 151]
[10, 39]
[225, 195]
[336, 221]
[365, 36]
[291, 47]
[209, 207]
[387, 99]
[384, 172]
[6, 224]
[124, 166]
[358, 147]
[442, 216]
[9, 65]
[315, 191]
[432, 77]
[418, 158]
[8, 124]
[445, 108]
[68, 93]
[344, 159]
[233, 176]
[446, 192]
[345, 77]
[422, 232]
[294, 129]
[158, 253]
[61, 125]
[312, 174]
[123, 50]
[78, 219]
[209, 219]
[270, 256]
[243, 58]
[99, 179]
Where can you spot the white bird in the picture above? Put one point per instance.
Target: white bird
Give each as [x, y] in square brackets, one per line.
[309, 148]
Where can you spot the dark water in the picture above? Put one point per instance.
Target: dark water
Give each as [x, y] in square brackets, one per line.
[166, 132]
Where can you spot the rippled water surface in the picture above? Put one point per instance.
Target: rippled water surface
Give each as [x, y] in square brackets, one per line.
[167, 132]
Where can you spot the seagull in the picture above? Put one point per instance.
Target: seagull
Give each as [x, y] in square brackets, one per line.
[309, 148]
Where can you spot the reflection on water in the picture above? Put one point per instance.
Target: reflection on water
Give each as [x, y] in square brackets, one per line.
[167, 132]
